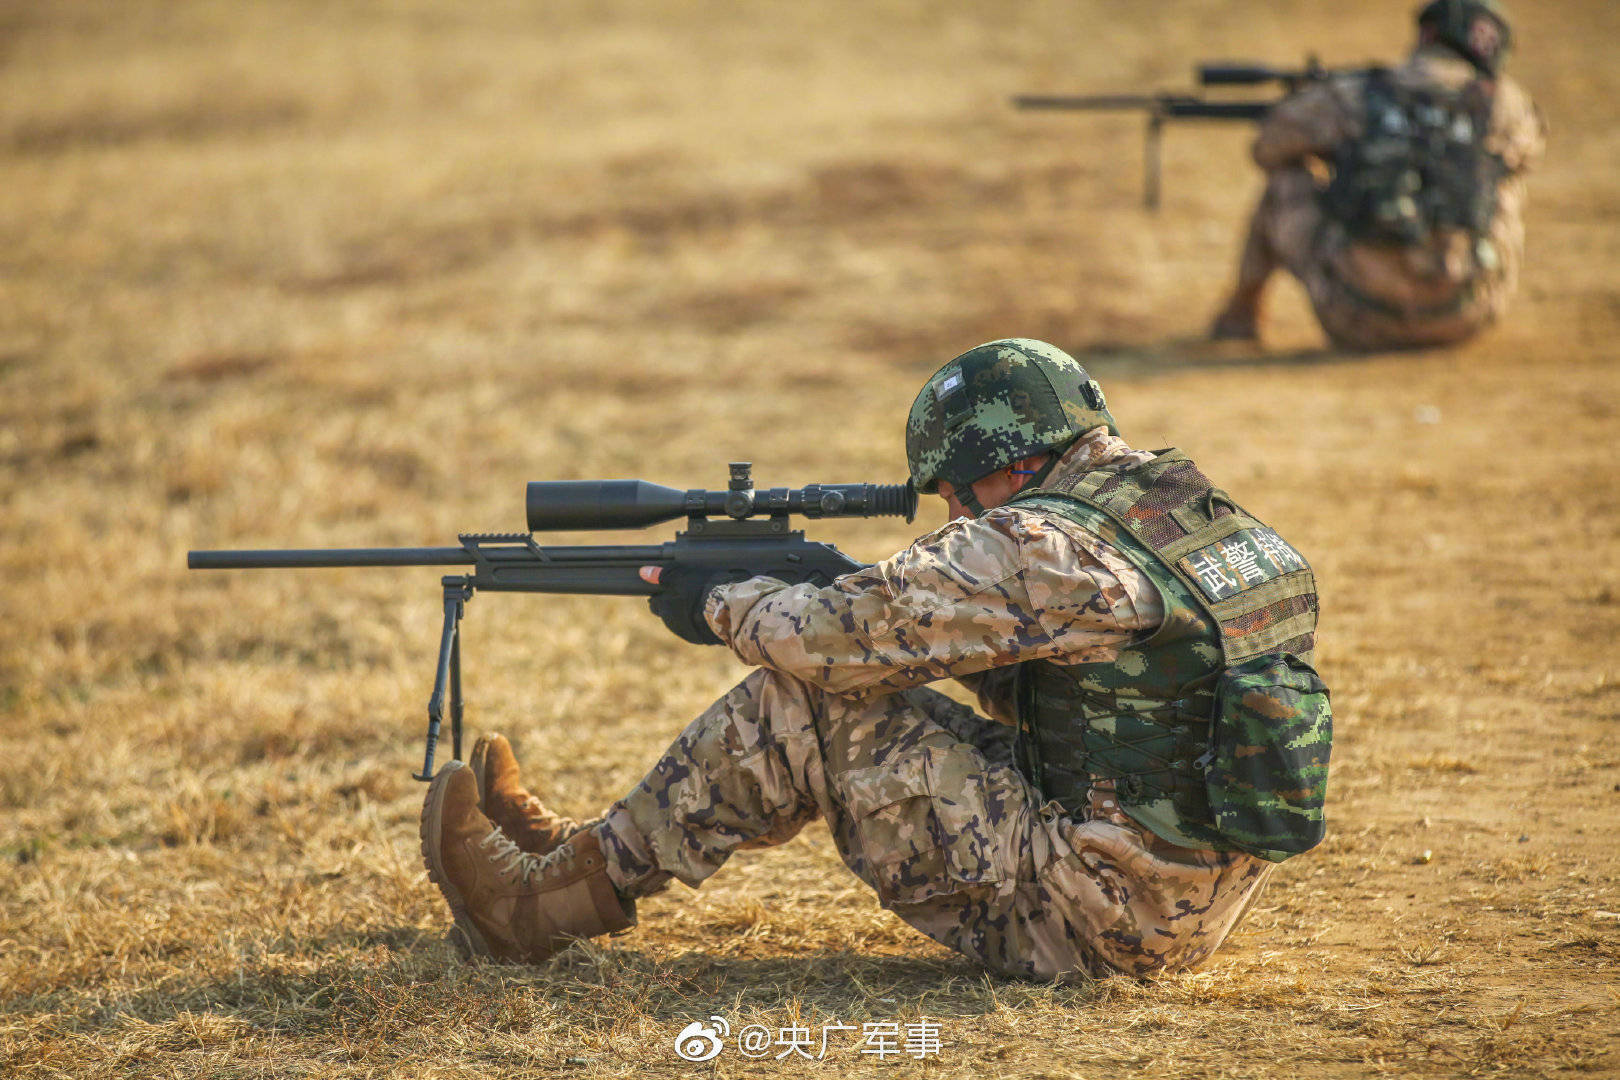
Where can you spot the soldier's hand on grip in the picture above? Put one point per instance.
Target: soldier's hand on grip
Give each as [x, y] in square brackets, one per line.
[680, 603]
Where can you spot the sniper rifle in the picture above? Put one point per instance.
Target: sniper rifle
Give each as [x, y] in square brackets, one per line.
[1181, 106]
[722, 539]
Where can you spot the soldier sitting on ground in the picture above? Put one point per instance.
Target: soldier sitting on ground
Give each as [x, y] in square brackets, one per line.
[1396, 195]
[1156, 739]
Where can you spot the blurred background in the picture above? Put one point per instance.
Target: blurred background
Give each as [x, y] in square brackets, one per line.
[350, 273]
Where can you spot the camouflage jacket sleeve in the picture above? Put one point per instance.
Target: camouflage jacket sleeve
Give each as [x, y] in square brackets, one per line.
[1309, 124]
[974, 595]
[1518, 130]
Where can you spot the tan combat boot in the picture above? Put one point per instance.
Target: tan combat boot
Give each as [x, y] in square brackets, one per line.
[507, 903]
[502, 796]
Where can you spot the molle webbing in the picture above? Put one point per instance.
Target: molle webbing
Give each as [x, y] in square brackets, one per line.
[1232, 589]
[1171, 508]
[1420, 164]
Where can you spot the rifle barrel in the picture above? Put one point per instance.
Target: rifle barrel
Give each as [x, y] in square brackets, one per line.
[503, 556]
[1179, 106]
[1086, 101]
[289, 558]
[1188, 108]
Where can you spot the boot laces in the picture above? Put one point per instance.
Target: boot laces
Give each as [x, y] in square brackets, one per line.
[514, 861]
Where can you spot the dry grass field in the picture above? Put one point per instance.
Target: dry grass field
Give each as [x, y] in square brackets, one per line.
[307, 273]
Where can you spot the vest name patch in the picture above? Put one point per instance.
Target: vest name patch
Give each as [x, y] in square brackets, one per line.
[1247, 558]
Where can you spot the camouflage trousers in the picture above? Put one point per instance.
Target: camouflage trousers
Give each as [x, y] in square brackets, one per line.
[1361, 299]
[926, 807]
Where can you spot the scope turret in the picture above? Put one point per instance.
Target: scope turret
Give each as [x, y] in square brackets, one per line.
[555, 505]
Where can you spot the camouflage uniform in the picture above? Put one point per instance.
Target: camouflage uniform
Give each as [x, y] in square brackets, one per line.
[1375, 297]
[922, 794]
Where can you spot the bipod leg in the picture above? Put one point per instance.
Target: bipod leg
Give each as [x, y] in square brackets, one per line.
[455, 696]
[1151, 158]
[456, 594]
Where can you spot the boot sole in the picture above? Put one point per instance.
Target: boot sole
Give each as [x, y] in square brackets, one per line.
[464, 935]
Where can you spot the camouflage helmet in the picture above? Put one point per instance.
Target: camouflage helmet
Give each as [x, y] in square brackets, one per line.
[997, 404]
[1478, 29]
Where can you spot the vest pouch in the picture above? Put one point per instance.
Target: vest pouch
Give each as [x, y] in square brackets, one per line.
[1267, 764]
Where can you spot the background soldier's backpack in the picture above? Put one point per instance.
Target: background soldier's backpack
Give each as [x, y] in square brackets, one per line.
[1419, 166]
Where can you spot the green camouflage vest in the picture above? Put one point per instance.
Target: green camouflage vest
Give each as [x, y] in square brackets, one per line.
[1233, 591]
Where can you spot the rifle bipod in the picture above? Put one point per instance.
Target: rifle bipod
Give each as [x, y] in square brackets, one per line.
[457, 591]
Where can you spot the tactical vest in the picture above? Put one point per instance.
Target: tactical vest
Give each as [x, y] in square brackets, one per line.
[1233, 590]
[1419, 165]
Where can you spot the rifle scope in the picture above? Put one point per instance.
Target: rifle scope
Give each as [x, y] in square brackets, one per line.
[1240, 74]
[630, 504]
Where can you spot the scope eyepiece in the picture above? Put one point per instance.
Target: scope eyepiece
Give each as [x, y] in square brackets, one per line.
[860, 500]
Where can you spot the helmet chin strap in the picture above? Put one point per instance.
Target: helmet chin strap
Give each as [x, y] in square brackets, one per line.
[970, 499]
[1044, 471]
[1053, 456]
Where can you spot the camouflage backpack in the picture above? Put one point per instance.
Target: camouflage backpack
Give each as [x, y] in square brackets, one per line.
[1420, 164]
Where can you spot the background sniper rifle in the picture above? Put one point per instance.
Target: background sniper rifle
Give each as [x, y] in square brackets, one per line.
[720, 540]
[1168, 106]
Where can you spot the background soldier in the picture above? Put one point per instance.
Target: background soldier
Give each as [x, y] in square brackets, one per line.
[1104, 603]
[1395, 195]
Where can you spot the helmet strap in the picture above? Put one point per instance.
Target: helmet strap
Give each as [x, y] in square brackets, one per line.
[970, 499]
[1053, 456]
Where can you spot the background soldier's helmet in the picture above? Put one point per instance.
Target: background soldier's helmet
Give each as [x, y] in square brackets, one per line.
[997, 404]
[1478, 29]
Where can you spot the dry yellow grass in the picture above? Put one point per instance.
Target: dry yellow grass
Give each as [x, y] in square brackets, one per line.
[333, 274]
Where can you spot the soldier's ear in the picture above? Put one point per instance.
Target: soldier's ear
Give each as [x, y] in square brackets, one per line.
[1028, 466]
